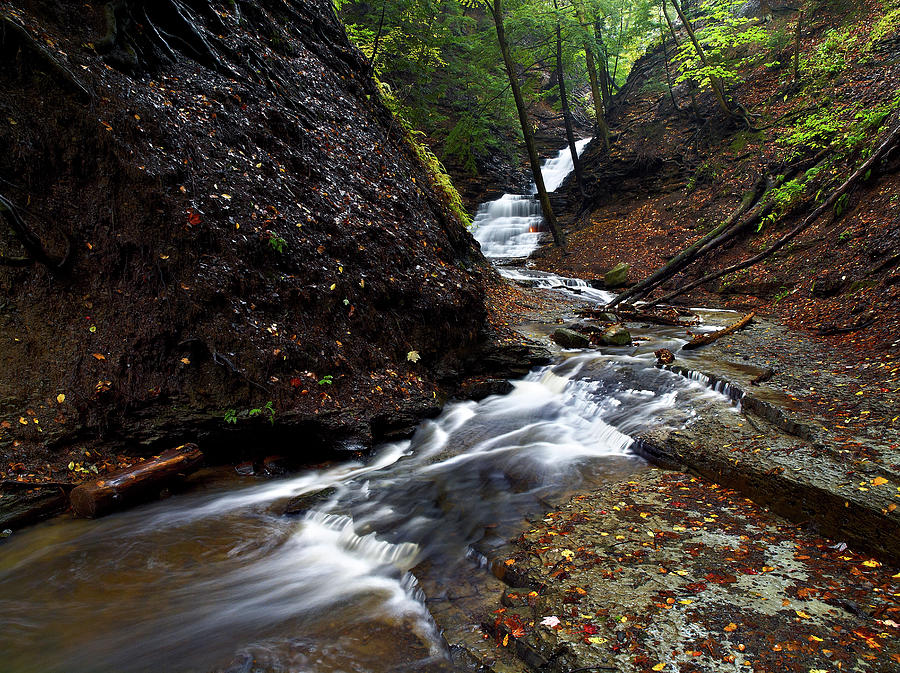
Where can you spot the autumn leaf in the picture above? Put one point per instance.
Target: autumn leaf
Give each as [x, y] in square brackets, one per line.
[413, 356]
[660, 666]
[878, 481]
[731, 627]
[99, 356]
[60, 398]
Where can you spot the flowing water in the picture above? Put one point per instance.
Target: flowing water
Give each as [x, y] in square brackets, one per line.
[511, 225]
[220, 579]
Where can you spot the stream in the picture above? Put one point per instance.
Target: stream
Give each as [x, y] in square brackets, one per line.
[220, 579]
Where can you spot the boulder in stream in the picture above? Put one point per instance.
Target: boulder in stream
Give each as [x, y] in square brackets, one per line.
[617, 275]
[569, 338]
[615, 335]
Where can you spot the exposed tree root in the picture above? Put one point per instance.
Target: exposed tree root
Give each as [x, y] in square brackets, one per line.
[31, 242]
[9, 27]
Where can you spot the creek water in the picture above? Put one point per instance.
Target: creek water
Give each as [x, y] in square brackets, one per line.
[220, 579]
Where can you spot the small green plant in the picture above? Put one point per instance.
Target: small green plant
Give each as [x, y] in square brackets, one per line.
[326, 380]
[268, 410]
[277, 243]
[781, 294]
[845, 236]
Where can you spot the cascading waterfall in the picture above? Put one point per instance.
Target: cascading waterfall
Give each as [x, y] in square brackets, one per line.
[511, 226]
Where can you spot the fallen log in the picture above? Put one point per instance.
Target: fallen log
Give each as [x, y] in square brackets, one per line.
[704, 339]
[135, 484]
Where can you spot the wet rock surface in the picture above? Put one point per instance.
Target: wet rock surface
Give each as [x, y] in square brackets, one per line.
[668, 572]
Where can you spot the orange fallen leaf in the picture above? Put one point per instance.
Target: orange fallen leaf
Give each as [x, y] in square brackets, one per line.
[99, 356]
[731, 627]
[878, 481]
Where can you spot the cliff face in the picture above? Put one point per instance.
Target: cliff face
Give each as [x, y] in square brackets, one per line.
[225, 215]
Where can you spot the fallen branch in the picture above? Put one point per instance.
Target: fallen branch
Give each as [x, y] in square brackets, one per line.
[831, 330]
[705, 339]
[134, 484]
[879, 152]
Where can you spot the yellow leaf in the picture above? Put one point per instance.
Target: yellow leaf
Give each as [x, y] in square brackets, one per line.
[871, 563]
[60, 398]
[731, 627]
[185, 361]
[815, 639]
[596, 640]
[659, 667]
[802, 614]
[22, 420]
[878, 481]
[506, 640]
[333, 285]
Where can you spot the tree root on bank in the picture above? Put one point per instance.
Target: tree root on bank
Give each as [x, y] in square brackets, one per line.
[10, 28]
[705, 339]
[140, 33]
[32, 243]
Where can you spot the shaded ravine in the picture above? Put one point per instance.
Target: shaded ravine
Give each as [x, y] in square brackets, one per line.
[221, 579]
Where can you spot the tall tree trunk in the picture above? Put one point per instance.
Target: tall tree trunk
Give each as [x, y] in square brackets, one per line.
[797, 48]
[715, 83]
[599, 101]
[497, 13]
[690, 83]
[564, 102]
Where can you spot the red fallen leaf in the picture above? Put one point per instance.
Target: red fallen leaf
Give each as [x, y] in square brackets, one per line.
[296, 382]
[193, 217]
[715, 578]
[694, 587]
[590, 629]
[518, 632]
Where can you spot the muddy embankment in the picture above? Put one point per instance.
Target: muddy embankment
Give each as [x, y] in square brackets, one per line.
[216, 232]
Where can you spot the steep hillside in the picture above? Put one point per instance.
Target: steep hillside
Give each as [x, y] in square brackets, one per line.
[210, 212]
[673, 174]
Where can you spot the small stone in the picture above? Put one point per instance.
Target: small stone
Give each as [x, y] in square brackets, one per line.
[664, 356]
[615, 335]
[568, 338]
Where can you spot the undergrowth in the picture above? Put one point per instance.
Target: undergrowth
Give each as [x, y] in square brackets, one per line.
[440, 180]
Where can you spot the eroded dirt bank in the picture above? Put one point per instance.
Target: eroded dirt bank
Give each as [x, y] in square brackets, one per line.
[219, 222]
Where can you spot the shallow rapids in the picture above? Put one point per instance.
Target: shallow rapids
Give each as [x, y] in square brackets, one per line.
[212, 580]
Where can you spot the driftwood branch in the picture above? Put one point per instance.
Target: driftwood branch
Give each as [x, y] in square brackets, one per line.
[134, 484]
[705, 339]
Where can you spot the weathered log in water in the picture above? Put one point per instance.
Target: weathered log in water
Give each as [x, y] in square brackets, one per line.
[134, 484]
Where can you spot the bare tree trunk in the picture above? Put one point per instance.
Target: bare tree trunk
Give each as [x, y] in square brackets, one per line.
[564, 102]
[715, 83]
[599, 101]
[558, 236]
[690, 83]
[797, 48]
[377, 38]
